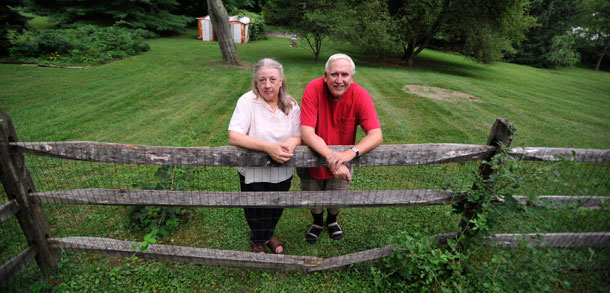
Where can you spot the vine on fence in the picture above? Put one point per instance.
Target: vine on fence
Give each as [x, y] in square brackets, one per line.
[421, 264]
[161, 221]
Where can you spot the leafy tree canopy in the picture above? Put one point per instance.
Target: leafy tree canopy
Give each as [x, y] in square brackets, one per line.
[549, 43]
[313, 20]
[10, 19]
[153, 15]
[483, 29]
[593, 33]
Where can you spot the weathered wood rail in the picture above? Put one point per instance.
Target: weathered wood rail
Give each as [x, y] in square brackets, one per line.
[25, 201]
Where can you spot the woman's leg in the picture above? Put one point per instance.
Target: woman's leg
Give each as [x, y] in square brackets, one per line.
[262, 221]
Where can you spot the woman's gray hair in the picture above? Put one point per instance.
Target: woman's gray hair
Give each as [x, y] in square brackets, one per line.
[335, 57]
[285, 100]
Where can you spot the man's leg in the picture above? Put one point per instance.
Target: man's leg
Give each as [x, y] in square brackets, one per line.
[308, 183]
[334, 230]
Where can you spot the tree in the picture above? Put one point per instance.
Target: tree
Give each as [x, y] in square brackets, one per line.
[594, 33]
[550, 43]
[314, 20]
[222, 30]
[483, 29]
[10, 20]
[153, 15]
[370, 26]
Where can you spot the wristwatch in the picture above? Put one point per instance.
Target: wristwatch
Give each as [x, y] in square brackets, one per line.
[356, 150]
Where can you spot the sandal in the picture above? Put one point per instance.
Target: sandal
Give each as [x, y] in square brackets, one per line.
[334, 230]
[275, 245]
[257, 248]
[312, 234]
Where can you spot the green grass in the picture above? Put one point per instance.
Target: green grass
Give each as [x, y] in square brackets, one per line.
[180, 94]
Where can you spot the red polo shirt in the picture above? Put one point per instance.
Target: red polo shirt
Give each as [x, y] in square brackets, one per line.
[336, 121]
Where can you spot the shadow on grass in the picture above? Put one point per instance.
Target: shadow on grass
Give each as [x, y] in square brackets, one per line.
[436, 61]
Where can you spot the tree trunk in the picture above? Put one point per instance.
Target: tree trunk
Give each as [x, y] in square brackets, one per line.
[222, 31]
[408, 54]
[601, 56]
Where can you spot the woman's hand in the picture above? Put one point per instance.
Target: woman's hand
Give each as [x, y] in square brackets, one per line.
[280, 152]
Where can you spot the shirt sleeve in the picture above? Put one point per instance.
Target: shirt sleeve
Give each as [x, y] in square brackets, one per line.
[296, 121]
[367, 113]
[309, 106]
[240, 121]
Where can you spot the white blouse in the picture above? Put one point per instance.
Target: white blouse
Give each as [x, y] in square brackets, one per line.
[254, 117]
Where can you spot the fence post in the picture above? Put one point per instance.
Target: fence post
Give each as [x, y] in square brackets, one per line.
[18, 183]
[501, 134]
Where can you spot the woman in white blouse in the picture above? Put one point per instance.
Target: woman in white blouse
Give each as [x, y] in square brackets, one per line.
[266, 119]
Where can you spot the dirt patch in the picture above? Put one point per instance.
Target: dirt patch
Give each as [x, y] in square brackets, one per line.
[286, 35]
[437, 93]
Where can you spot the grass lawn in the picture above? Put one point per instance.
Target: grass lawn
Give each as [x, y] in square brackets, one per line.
[180, 94]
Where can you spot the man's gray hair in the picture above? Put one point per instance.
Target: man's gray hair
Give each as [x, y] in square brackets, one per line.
[335, 57]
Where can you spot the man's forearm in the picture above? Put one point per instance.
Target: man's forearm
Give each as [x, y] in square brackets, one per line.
[311, 139]
[372, 140]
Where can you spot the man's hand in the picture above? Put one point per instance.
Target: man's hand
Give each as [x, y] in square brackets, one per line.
[335, 159]
[342, 172]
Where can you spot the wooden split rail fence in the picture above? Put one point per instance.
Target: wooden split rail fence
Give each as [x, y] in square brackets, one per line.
[25, 202]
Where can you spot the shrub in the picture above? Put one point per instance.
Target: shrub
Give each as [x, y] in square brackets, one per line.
[562, 52]
[256, 29]
[163, 220]
[419, 264]
[77, 46]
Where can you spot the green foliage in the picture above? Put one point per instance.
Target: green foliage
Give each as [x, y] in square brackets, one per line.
[546, 44]
[419, 264]
[155, 15]
[256, 29]
[159, 220]
[518, 269]
[315, 21]
[83, 45]
[467, 263]
[369, 26]
[562, 52]
[10, 21]
[593, 33]
[482, 30]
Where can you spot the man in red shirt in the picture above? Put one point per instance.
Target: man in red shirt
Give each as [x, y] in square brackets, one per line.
[332, 108]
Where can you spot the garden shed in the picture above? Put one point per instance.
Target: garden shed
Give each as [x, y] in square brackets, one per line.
[239, 28]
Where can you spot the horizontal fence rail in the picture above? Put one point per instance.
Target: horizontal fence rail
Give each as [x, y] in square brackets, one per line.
[215, 256]
[15, 265]
[303, 199]
[589, 239]
[559, 154]
[230, 156]
[585, 239]
[581, 201]
[288, 199]
[8, 210]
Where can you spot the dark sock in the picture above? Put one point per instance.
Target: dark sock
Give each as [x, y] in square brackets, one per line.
[314, 231]
[334, 230]
[318, 219]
